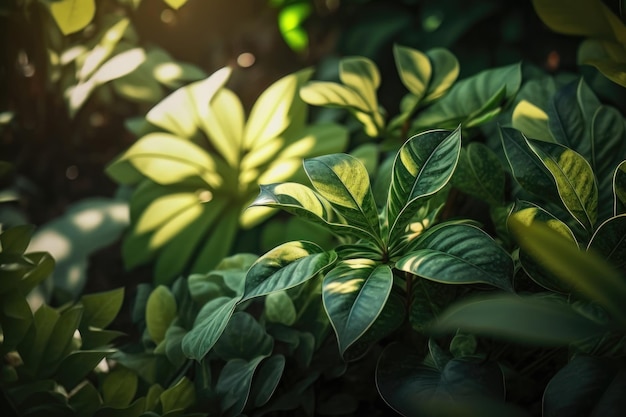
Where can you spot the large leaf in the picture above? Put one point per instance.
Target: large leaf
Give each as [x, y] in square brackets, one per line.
[609, 241]
[525, 320]
[343, 181]
[286, 266]
[354, 294]
[243, 338]
[462, 388]
[587, 273]
[459, 254]
[526, 166]
[587, 386]
[209, 326]
[422, 167]
[480, 174]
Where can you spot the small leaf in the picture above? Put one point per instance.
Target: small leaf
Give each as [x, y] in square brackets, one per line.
[100, 309]
[119, 65]
[325, 93]
[459, 254]
[619, 189]
[532, 121]
[243, 338]
[72, 15]
[422, 167]
[354, 294]
[280, 309]
[176, 4]
[160, 312]
[209, 326]
[414, 69]
[178, 397]
[525, 320]
[286, 266]
[445, 70]
[16, 239]
[77, 365]
[119, 387]
[609, 241]
[233, 385]
[343, 181]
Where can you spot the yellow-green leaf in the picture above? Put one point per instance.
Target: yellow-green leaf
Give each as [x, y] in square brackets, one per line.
[72, 15]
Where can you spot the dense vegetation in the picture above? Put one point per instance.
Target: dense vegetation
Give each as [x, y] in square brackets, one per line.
[302, 207]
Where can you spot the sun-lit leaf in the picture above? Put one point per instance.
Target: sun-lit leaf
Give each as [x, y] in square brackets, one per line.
[224, 124]
[445, 70]
[72, 15]
[325, 93]
[362, 76]
[354, 294]
[286, 266]
[414, 69]
[175, 4]
[525, 320]
[291, 19]
[532, 121]
[422, 167]
[343, 181]
[574, 179]
[459, 254]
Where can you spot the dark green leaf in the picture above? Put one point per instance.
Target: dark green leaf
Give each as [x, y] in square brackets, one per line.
[422, 167]
[100, 309]
[619, 189]
[428, 300]
[267, 379]
[480, 174]
[60, 341]
[354, 294]
[609, 241]
[16, 239]
[77, 365]
[233, 385]
[243, 338]
[285, 267]
[160, 311]
[179, 397]
[459, 254]
[119, 387]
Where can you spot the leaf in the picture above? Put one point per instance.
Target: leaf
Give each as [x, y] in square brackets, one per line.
[72, 15]
[528, 213]
[567, 116]
[33, 346]
[243, 338]
[209, 326]
[121, 64]
[480, 174]
[280, 309]
[608, 145]
[422, 167]
[15, 318]
[527, 167]
[459, 254]
[362, 76]
[224, 124]
[619, 189]
[526, 320]
[325, 93]
[354, 293]
[609, 241]
[428, 300]
[286, 266]
[76, 366]
[532, 121]
[291, 22]
[175, 4]
[100, 309]
[16, 239]
[160, 312]
[59, 343]
[574, 178]
[233, 385]
[586, 386]
[462, 387]
[584, 271]
[414, 69]
[471, 98]
[445, 70]
[178, 397]
[268, 376]
[343, 181]
[119, 387]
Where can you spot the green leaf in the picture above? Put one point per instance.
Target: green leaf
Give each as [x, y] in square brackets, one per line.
[43, 264]
[608, 141]
[233, 385]
[178, 397]
[209, 326]
[362, 76]
[459, 254]
[532, 121]
[60, 342]
[224, 125]
[166, 159]
[85, 401]
[243, 338]
[462, 387]
[480, 174]
[100, 309]
[160, 312]
[619, 189]
[33, 346]
[527, 213]
[414, 69]
[586, 386]
[428, 300]
[609, 241]
[16, 239]
[525, 320]
[119, 387]
[268, 376]
[567, 119]
[325, 93]
[176, 4]
[76, 366]
[587, 273]
[15, 318]
[72, 15]
[445, 70]
[471, 98]
[574, 178]
[291, 21]
[280, 309]
[343, 181]
[422, 167]
[286, 266]
[354, 293]
[526, 166]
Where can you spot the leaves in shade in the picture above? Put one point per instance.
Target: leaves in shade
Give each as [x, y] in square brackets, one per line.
[354, 293]
[619, 189]
[480, 174]
[160, 312]
[609, 241]
[459, 254]
[525, 320]
[243, 338]
[233, 385]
